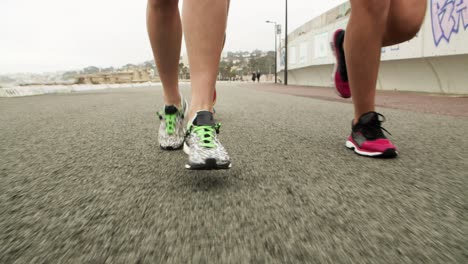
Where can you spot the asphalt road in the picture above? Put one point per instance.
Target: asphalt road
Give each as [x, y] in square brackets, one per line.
[82, 180]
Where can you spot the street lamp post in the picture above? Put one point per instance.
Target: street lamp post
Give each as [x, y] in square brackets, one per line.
[276, 50]
[286, 46]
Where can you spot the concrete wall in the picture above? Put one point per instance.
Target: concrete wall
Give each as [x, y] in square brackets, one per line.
[435, 61]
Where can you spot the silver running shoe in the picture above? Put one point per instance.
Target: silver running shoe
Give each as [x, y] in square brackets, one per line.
[171, 131]
[202, 145]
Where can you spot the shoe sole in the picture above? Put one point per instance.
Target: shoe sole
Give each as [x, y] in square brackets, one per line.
[336, 53]
[387, 154]
[171, 148]
[210, 164]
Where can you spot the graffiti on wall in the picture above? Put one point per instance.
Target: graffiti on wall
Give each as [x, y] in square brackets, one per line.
[448, 18]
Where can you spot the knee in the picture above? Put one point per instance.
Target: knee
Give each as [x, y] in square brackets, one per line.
[409, 31]
[162, 4]
[404, 27]
[408, 26]
[377, 10]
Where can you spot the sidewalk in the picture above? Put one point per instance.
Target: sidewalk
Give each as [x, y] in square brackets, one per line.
[416, 102]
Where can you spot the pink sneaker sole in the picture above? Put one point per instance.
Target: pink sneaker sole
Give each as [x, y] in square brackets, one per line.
[390, 152]
[342, 86]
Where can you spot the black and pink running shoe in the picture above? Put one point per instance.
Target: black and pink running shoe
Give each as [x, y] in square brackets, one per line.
[367, 137]
[340, 73]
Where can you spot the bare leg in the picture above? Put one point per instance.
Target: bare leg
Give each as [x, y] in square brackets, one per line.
[204, 27]
[363, 43]
[165, 33]
[380, 23]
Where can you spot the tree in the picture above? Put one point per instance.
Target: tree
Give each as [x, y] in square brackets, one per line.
[91, 70]
[225, 69]
[253, 64]
[109, 69]
[69, 75]
[184, 71]
[266, 64]
[149, 64]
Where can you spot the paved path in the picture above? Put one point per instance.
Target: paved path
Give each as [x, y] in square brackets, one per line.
[452, 105]
[82, 180]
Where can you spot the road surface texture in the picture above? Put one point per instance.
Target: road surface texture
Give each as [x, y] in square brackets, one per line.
[82, 180]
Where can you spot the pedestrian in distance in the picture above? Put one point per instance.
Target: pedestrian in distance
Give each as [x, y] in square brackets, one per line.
[258, 76]
[373, 24]
[199, 138]
[254, 76]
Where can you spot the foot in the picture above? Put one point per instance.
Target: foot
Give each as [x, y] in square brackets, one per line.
[202, 145]
[171, 131]
[367, 137]
[340, 73]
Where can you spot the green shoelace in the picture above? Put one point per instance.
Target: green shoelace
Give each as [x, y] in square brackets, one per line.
[170, 122]
[206, 134]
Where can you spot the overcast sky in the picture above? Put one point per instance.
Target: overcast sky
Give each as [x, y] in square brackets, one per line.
[51, 35]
